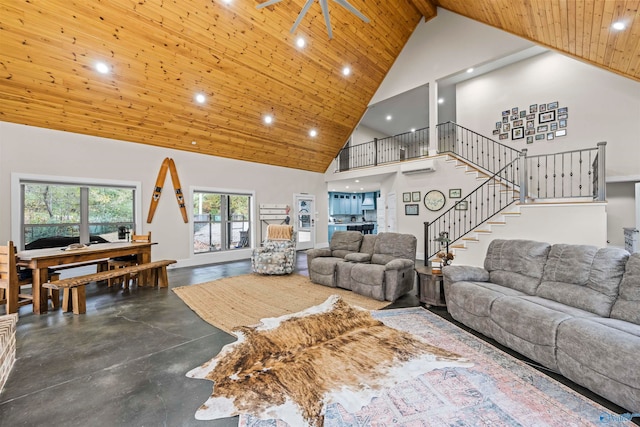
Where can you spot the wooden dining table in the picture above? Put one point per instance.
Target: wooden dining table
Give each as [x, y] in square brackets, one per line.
[40, 260]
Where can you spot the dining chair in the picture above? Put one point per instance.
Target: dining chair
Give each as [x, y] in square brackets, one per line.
[126, 261]
[9, 288]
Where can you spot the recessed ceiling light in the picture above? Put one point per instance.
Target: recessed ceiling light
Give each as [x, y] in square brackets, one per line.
[619, 25]
[227, 1]
[193, 143]
[300, 42]
[389, 117]
[102, 68]
[313, 133]
[361, 188]
[346, 186]
[469, 70]
[413, 129]
[440, 100]
[346, 71]
[200, 98]
[357, 180]
[268, 119]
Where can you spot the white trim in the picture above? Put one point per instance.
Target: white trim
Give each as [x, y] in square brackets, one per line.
[623, 178]
[17, 178]
[221, 256]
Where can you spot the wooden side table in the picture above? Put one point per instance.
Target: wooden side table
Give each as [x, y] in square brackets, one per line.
[430, 287]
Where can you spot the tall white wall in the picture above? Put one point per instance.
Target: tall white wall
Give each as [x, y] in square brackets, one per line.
[38, 151]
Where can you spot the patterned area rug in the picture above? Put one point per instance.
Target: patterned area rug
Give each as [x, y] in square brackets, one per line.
[497, 390]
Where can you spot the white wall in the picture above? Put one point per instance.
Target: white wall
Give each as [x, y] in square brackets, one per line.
[38, 151]
[363, 134]
[602, 106]
[621, 209]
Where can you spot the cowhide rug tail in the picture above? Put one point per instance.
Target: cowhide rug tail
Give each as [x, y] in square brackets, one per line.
[290, 367]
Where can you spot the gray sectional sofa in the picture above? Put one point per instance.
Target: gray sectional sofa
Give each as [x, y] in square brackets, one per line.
[574, 309]
[379, 266]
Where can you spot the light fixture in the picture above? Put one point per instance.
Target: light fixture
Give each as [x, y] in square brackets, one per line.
[300, 42]
[200, 98]
[346, 186]
[619, 25]
[193, 143]
[102, 68]
[346, 71]
[413, 129]
[469, 70]
[389, 117]
[325, 12]
[313, 133]
[440, 100]
[227, 1]
[357, 180]
[268, 119]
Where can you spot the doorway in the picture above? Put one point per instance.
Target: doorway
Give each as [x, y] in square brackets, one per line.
[304, 221]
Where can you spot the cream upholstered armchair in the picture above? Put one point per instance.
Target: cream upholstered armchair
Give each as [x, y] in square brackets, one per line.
[277, 255]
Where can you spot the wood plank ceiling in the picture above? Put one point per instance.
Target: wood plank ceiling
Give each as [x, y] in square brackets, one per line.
[163, 52]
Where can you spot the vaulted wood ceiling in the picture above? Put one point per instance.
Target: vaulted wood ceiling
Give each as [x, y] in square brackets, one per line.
[163, 52]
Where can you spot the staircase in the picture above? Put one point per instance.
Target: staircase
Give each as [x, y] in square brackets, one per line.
[509, 179]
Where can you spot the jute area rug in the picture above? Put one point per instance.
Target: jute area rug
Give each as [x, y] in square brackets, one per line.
[246, 299]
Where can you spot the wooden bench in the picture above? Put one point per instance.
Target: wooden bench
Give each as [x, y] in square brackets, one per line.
[73, 288]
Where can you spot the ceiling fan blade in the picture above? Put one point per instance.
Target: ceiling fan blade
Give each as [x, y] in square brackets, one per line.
[301, 15]
[327, 19]
[268, 3]
[352, 9]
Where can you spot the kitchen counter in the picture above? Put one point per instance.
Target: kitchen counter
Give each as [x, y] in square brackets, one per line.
[343, 226]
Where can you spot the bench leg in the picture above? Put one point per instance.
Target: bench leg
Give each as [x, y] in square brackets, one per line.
[54, 294]
[66, 301]
[74, 299]
[162, 278]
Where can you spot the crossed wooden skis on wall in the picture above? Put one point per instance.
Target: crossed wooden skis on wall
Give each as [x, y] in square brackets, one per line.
[157, 191]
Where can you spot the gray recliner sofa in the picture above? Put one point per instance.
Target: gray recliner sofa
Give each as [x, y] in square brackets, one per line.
[575, 309]
[382, 267]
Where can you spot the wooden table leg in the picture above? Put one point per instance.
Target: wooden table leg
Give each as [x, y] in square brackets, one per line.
[144, 257]
[40, 303]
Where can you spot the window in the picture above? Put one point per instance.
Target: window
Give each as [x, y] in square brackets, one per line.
[220, 221]
[88, 212]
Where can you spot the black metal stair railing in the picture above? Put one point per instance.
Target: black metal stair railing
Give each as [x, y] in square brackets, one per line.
[486, 201]
[481, 151]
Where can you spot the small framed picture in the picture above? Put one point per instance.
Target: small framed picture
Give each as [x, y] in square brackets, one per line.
[518, 123]
[531, 116]
[506, 128]
[415, 196]
[563, 116]
[514, 110]
[529, 140]
[462, 206]
[411, 209]
[549, 116]
[530, 132]
[542, 128]
[523, 114]
[496, 131]
[406, 197]
[561, 132]
[539, 136]
[533, 108]
[505, 113]
[563, 110]
[504, 136]
[455, 193]
[553, 126]
[552, 105]
[505, 119]
[550, 136]
[562, 123]
[517, 133]
[531, 124]
[542, 108]
[514, 117]
[498, 125]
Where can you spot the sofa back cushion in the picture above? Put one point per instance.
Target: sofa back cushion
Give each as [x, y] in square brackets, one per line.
[390, 246]
[516, 264]
[345, 242]
[627, 306]
[583, 276]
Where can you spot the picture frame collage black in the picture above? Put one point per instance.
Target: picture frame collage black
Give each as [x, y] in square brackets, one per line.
[538, 122]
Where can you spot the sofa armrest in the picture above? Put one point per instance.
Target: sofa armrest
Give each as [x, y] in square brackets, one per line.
[460, 273]
[318, 252]
[358, 257]
[398, 264]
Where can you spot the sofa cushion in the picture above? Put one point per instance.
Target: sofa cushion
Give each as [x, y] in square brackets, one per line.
[344, 242]
[627, 306]
[476, 297]
[389, 246]
[583, 276]
[516, 264]
[368, 280]
[556, 306]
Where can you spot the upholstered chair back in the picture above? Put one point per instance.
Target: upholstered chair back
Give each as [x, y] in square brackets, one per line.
[345, 242]
[627, 306]
[390, 246]
[516, 264]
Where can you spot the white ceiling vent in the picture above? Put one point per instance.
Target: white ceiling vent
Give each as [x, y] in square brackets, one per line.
[417, 167]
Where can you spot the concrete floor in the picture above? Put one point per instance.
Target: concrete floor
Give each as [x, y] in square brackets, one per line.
[123, 363]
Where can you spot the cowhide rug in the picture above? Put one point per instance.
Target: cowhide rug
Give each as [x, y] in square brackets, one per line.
[289, 367]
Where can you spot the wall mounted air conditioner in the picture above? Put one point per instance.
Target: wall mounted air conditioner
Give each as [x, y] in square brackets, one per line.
[417, 167]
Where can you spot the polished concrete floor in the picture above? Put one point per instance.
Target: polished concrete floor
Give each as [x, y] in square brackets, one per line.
[123, 363]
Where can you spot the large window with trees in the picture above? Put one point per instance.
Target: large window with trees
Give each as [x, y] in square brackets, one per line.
[220, 221]
[87, 212]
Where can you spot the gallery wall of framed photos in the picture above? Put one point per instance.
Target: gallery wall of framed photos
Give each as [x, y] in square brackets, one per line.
[538, 122]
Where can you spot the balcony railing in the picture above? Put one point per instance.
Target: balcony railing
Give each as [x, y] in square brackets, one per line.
[410, 145]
